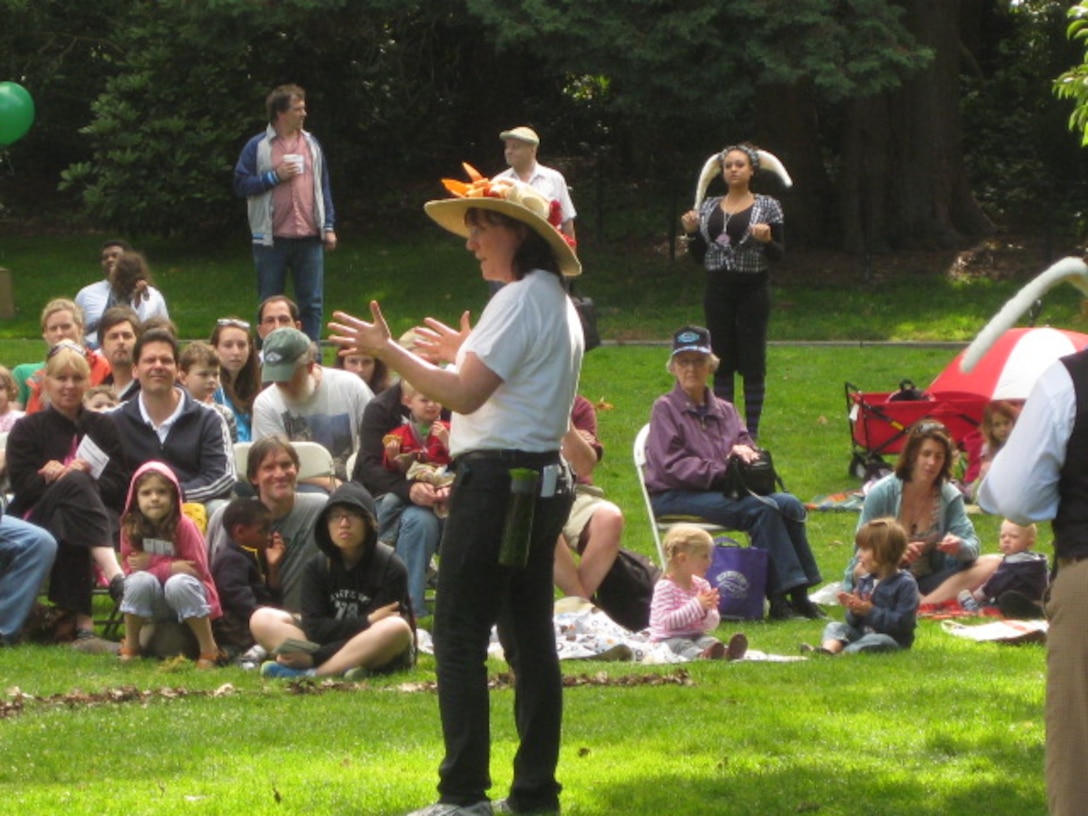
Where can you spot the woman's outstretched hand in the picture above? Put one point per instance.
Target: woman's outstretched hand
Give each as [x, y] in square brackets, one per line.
[356, 335]
[438, 343]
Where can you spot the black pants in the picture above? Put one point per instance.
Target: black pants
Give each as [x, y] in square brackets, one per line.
[72, 510]
[474, 593]
[738, 310]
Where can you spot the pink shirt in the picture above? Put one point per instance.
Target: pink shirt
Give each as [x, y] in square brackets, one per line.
[676, 612]
[293, 201]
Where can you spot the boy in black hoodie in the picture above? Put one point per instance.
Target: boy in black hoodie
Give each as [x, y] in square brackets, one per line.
[355, 603]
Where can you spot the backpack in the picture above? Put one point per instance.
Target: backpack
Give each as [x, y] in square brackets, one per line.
[627, 590]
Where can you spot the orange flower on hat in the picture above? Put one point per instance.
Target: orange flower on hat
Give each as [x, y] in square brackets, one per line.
[480, 186]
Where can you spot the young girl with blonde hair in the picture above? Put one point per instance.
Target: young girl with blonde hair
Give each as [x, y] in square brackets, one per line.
[684, 609]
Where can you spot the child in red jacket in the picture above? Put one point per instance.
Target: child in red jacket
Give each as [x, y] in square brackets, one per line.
[420, 447]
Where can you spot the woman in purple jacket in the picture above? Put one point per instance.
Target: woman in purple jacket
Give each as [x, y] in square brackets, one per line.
[692, 435]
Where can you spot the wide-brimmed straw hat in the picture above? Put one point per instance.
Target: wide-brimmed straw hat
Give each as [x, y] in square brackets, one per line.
[512, 198]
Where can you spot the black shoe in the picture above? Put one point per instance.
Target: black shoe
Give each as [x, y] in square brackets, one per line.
[807, 609]
[117, 588]
[1017, 605]
[780, 609]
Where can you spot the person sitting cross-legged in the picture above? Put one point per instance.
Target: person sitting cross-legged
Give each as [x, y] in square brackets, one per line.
[355, 604]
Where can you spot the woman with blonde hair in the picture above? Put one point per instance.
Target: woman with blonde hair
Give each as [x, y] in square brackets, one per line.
[67, 473]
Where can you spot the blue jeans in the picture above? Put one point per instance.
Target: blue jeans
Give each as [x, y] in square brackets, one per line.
[777, 527]
[305, 257]
[417, 540]
[856, 641]
[474, 593]
[26, 556]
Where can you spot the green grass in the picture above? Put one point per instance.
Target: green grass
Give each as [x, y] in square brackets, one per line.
[948, 727]
[639, 292]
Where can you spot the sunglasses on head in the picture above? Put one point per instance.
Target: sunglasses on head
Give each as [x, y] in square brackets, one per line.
[66, 344]
[929, 426]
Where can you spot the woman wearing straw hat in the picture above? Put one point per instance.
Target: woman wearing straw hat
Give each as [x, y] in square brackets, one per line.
[511, 393]
[735, 236]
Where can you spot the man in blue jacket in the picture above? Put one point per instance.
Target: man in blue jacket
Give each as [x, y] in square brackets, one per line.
[283, 174]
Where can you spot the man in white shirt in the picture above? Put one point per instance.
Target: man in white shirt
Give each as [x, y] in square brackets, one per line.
[520, 146]
[94, 298]
[309, 402]
[1040, 474]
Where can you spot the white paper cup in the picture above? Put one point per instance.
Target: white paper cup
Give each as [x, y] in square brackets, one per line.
[296, 160]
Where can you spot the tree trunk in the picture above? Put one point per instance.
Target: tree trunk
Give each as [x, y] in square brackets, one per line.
[788, 125]
[903, 182]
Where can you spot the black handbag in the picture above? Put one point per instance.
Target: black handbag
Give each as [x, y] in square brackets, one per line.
[755, 478]
[587, 313]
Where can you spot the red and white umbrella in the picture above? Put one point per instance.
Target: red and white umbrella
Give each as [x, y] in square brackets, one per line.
[1010, 367]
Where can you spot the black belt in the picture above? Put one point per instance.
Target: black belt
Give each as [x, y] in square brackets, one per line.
[511, 457]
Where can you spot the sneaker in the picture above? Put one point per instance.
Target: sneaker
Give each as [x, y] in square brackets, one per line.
[442, 809]
[357, 674]
[619, 652]
[780, 609]
[252, 657]
[807, 609]
[504, 806]
[89, 643]
[967, 601]
[737, 648]
[277, 671]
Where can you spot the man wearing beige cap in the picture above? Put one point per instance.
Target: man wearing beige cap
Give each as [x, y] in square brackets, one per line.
[520, 151]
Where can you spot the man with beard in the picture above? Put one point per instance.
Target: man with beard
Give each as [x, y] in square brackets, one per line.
[119, 328]
[308, 402]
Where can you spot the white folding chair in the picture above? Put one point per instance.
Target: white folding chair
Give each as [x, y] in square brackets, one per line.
[314, 460]
[241, 460]
[662, 525]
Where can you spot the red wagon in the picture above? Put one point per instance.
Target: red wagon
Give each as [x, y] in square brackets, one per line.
[879, 421]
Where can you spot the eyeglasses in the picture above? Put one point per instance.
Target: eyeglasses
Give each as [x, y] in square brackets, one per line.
[689, 362]
[66, 344]
[233, 322]
[340, 516]
[929, 426]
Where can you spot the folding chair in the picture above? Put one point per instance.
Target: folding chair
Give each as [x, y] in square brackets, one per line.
[662, 525]
[241, 459]
[314, 460]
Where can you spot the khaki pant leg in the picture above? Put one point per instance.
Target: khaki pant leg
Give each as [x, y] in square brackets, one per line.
[1067, 693]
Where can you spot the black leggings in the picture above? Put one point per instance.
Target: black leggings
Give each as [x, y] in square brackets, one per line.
[738, 310]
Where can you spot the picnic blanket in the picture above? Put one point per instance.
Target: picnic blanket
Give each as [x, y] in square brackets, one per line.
[1012, 632]
[849, 501]
[584, 632]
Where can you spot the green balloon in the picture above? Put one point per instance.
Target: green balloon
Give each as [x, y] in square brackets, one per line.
[16, 112]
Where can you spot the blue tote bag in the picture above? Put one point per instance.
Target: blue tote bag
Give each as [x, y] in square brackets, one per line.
[740, 575]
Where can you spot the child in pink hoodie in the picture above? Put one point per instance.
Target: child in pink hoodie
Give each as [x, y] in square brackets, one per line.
[166, 564]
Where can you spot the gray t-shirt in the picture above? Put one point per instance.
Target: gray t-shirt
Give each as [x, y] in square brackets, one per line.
[297, 531]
